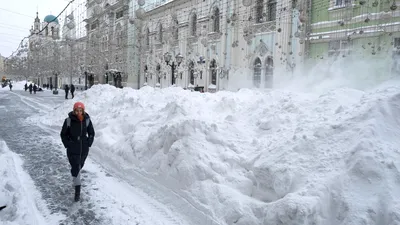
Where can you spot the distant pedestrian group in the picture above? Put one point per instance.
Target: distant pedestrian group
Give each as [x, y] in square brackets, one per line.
[69, 89]
[31, 88]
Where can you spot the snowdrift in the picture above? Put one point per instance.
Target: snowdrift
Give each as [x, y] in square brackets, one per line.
[18, 193]
[325, 157]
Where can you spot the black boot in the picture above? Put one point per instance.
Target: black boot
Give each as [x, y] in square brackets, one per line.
[77, 193]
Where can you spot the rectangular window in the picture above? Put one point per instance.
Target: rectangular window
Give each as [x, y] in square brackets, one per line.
[342, 2]
[94, 25]
[194, 25]
[272, 10]
[119, 14]
[257, 76]
[260, 11]
[339, 47]
[106, 44]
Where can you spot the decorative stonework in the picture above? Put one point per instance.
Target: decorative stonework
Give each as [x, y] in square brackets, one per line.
[264, 27]
[214, 36]
[261, 49]
[248, 37]
[191, 40]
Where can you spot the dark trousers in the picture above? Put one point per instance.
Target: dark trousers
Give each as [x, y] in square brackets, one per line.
[72, 94]
[66, 95]
[76, 163]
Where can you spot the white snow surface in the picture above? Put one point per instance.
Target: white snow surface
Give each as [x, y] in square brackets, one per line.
[320, 150]
[18, 193]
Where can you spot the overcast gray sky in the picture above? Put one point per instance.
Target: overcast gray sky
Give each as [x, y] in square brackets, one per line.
[17, 17]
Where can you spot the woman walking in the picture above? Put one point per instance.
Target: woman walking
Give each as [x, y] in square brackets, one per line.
[77, 135]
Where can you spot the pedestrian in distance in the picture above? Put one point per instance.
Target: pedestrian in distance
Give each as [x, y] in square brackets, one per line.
[77, 135]
[72, 90]
[66, 89]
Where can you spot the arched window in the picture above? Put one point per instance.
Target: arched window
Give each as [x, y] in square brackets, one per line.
[191, 72]
[269, 72]
[259, 11]
[118, 35]
[158, 69]
[257, 72]
[193, 23]
[106, 43]
[160, 34]
[92, 41]
[213, 70]
[176, 29]
[271, 10]
[147, 37]
[146, 75]
[215, 18]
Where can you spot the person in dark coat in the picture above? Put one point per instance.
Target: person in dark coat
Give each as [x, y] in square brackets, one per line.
[34, 88]
[66, 89]
[26, 86]
[72, 90]
[10, 85]
[77, 135]
[30, 88]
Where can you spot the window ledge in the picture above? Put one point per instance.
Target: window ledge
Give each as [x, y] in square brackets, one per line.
[336, 7]
[214, 35]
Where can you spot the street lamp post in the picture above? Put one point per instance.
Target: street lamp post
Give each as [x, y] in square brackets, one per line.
[86, 80]
[55, 92]
[173, 65]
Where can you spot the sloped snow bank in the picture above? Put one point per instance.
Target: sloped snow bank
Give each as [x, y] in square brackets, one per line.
[17, 192]
[258, 157]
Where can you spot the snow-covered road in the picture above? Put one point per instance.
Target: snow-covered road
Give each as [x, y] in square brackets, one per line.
[111, 195]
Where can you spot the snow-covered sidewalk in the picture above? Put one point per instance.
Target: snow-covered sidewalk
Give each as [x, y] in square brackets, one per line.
[24, 203]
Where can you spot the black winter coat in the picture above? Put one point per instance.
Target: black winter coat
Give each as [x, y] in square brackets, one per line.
[78, 138]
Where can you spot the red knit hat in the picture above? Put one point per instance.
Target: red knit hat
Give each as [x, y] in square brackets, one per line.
[79, 105]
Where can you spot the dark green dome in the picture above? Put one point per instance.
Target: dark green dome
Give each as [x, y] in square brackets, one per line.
[50, 18]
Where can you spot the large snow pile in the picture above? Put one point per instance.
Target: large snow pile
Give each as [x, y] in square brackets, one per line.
[18, 193]
[328, 156]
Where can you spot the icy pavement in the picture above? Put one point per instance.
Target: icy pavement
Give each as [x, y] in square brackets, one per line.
[105, 199]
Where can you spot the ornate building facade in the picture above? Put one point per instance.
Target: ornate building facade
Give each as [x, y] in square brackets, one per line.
[217, 45]
[43, 52]
[366, 30]
[107, 41]
[2, 70]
